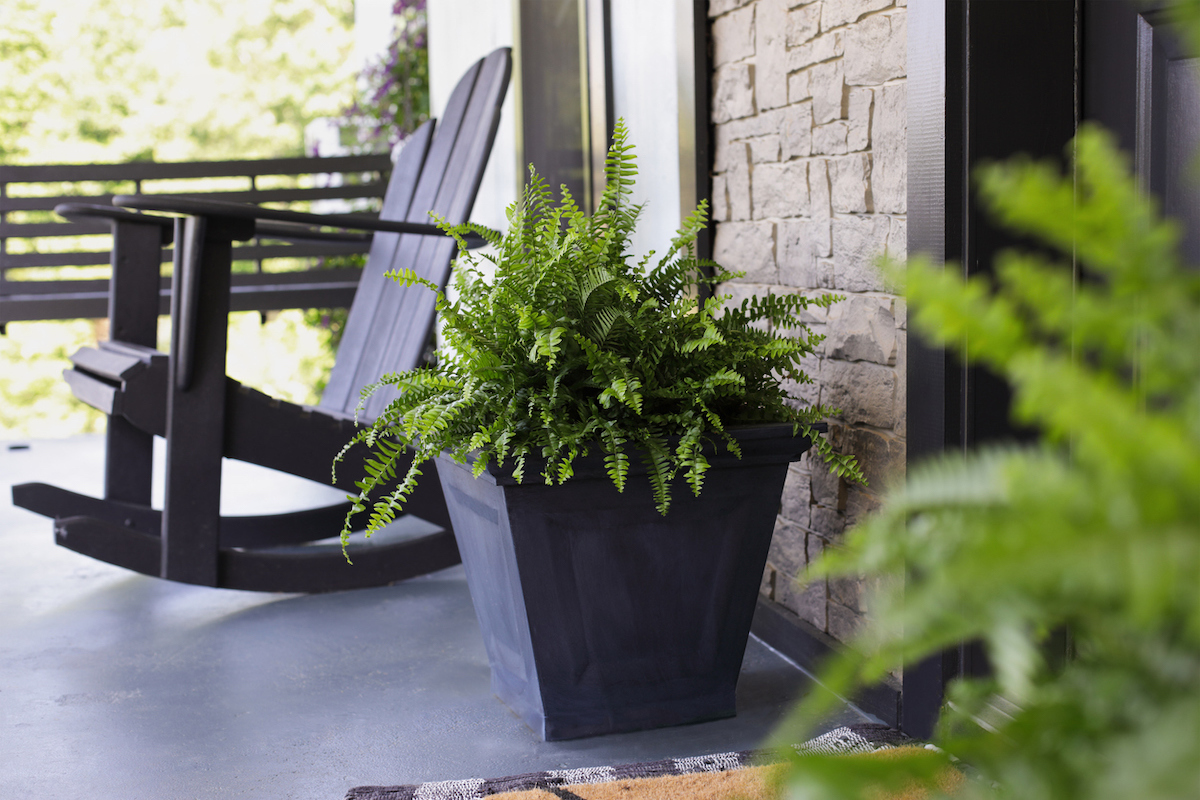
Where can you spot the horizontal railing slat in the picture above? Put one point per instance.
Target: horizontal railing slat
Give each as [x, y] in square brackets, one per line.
[250, 292]
[31, 288]
[253, 252]
[88, 305]
[257, 252]
[314, 277]
[36, 230]
[32, 230]
[93, 305]
[344, 192]
[156, 170]
[78, 259]
[278, 298]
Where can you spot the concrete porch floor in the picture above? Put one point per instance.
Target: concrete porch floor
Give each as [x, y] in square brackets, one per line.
[117, 685]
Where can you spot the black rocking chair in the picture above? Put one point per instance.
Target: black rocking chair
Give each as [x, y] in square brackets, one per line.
[185, 396]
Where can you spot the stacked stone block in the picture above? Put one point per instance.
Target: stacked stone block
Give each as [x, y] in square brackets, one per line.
[809, 189]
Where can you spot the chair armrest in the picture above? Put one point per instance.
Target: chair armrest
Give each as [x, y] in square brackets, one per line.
[138, 240]
[223, 208]
[95, 211]
[292, 232]
[284, 231]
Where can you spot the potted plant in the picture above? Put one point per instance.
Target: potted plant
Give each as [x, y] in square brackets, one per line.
[576, 395]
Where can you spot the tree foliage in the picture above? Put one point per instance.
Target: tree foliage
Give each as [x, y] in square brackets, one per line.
[576, 345]
[23, 54]
[1094, 531]
[103, 80]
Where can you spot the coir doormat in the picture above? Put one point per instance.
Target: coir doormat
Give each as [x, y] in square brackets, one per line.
[723, 775]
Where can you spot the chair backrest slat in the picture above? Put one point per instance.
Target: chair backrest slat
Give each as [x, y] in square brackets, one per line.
[414, 314]
[340, 391]
[371, 362]
[388, 324]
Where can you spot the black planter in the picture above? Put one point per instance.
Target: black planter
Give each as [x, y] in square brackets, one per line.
[601, 615]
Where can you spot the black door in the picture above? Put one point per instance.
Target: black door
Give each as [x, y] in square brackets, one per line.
[996, 79]
[1138, 82]
[988, 80]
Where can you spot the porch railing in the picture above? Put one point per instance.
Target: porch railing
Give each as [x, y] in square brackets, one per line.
[41, 254]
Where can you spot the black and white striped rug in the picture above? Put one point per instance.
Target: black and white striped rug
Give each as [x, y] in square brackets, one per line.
[865, 738]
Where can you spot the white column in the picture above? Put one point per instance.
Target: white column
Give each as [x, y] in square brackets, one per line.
[372, 30]
[645, 94]
[460, 32]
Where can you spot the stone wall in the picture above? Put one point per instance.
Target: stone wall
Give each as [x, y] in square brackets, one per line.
[809, 187]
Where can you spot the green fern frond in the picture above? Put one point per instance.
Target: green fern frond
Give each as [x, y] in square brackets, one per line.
[659, 465]
[408, 277]
[710, 337]
[571, 341]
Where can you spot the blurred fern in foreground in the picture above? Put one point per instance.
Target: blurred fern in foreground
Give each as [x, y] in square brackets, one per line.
[1095, 530]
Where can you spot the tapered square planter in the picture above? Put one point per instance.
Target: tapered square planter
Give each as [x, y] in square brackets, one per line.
[599, 614]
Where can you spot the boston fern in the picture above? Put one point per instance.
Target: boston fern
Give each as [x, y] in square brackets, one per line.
[573, 345]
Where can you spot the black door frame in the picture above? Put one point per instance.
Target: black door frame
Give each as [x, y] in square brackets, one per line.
[986, 80]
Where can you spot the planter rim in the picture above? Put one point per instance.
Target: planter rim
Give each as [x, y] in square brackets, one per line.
[771, 442]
